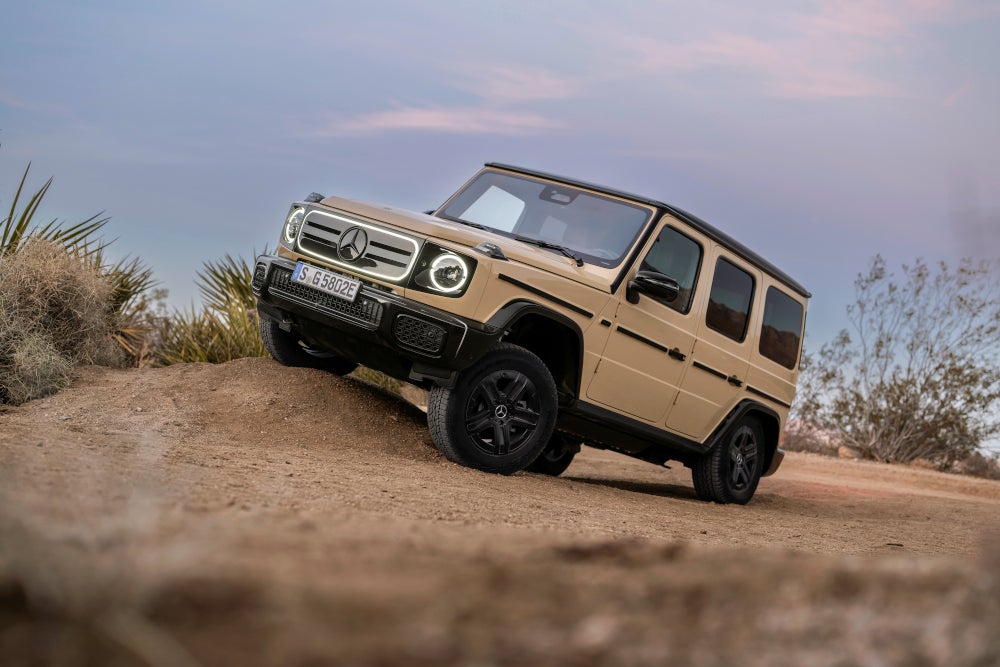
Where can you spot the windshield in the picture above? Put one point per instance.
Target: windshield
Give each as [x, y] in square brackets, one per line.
[597, 228]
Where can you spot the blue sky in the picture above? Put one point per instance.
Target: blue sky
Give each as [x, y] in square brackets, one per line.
[819, 133]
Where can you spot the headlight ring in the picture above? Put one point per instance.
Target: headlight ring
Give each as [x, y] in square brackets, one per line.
[448, 273]
[293, 223]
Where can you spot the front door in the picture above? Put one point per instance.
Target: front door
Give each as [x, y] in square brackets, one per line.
[644, 360]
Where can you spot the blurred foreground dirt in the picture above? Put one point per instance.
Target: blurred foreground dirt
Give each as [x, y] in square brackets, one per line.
[250, 514]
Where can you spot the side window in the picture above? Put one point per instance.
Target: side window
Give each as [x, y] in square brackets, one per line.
[729, 302]
[782, 329]
[679, 257]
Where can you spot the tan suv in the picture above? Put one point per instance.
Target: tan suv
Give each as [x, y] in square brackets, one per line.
[541, 313]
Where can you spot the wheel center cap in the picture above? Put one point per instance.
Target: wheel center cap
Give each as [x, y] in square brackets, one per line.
[501, 412]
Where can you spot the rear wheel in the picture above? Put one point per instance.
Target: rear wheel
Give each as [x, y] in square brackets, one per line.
[499, 415]
[288, 350]
[555, 458]
[730, 472]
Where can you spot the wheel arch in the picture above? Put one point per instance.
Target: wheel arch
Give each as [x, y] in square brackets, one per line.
[769, 420]
[555, 338]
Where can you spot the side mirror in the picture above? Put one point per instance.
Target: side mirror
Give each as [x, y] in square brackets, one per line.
[654, 284]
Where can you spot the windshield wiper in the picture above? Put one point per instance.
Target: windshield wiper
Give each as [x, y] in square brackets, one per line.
[550, 246]
[462, 222]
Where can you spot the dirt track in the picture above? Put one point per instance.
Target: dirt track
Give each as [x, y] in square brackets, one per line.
[253, 514]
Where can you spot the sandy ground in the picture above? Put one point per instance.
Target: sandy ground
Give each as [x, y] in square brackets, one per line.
[250, 514]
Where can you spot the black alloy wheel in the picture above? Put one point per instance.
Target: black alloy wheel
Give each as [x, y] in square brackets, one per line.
[556, 457]
[499, 415]
[730, 472]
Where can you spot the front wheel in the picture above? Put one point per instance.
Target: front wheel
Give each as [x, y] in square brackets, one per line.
[730, 472]
[287, 350]
[499, 415]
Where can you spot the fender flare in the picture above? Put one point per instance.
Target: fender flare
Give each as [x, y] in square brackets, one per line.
[743, 408]
[512, 312]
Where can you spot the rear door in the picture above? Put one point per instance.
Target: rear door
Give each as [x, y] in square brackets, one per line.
[719, 365]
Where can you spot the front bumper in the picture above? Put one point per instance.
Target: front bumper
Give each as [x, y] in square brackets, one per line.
[381, 330]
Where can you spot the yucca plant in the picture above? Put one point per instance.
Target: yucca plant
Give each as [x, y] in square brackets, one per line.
[211, 335]
[225, 328]
[130, 279]
[19, 225]
[226, 281]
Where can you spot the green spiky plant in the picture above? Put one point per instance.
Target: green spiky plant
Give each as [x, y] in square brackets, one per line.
[39, 346]
[226, 328]
[131, 279]
[19, 225]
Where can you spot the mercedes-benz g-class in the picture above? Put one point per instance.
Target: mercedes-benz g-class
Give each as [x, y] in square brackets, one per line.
[543, 313]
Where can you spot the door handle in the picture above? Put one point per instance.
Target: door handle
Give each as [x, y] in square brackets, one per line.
[676, 353]
[735, 381]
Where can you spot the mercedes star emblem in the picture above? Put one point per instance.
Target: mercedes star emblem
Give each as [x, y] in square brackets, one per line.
[353, 244]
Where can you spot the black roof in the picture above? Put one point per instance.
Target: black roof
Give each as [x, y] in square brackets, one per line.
[693, 220]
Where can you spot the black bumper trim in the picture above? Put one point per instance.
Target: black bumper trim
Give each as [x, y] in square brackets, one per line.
[368, 330]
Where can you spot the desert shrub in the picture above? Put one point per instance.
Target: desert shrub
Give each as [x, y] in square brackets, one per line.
[979, 464]
[55, 308]
[917, 376]
[802, 436]
[130, 279]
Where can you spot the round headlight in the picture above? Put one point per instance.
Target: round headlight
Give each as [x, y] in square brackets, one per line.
[448, 273]
[293, 222]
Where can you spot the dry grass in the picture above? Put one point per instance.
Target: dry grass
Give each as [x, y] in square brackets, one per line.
[54, 313]
[212, 335]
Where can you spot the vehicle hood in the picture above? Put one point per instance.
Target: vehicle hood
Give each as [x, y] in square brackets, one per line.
[439, 229]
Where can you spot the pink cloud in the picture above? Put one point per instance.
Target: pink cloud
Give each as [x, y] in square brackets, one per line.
[952, 98]
[788, 68]
[826, 52]
[517, 84]
[463, 120]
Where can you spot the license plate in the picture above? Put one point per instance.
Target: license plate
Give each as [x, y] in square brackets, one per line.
[339, 286]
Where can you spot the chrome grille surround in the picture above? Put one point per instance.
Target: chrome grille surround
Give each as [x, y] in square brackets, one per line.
[387, 255]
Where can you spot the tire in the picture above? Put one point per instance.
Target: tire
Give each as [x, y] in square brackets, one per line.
[730, 472]
[287, 350]
[500, 414]
[555, 458]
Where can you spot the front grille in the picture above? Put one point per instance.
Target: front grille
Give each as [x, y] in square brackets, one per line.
[387, 255]
[419, 334]
[259, 276]
[364, 310]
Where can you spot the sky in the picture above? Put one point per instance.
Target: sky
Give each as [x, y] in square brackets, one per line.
[818, 133]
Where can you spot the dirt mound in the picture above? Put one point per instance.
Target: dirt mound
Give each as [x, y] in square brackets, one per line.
[248, 513]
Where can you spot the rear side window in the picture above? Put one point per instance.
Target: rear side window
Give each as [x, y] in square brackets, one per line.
[779, 337]
[729, 302]
[677, 256]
